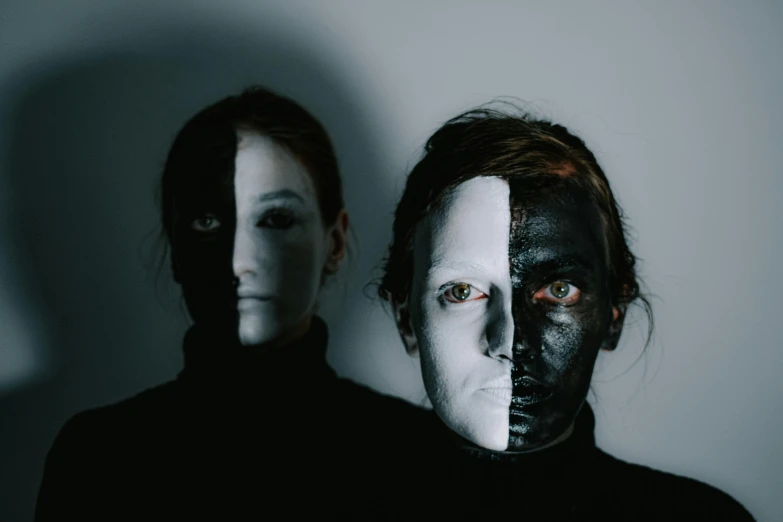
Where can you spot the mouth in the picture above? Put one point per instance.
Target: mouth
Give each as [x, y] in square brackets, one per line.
[250, 301]
[501, 395]
[528, 392]
[499, 389]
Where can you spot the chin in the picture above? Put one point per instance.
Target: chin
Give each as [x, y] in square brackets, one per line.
[492, 441]
[533, 435]
[486, 431]
[253, 331]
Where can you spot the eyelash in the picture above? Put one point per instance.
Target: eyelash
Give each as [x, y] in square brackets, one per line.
[448, 294]
[570, 300]
[573, 297]
[195, 225]
[289, 215]
[214, 222]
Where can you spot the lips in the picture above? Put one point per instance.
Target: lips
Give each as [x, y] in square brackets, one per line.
[499, 389]
[248, 292]
[528, 392]
[250, 298]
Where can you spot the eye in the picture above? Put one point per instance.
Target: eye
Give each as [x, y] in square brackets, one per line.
[205, 224]
[559, 292]
[277, 219]
[462, 292]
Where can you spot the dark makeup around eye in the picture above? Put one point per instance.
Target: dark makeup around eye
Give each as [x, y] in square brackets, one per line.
[555, 234]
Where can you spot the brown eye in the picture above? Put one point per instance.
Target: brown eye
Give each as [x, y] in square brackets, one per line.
[560, 289]
[462, 292]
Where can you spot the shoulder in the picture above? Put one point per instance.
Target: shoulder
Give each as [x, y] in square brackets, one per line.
[667, 496]
[91, 427]
[359, 396]
[89, 459]
[368, 406]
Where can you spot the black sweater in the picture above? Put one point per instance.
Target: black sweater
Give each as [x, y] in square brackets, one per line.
[282, 437]
[573, 480]
[233, 437]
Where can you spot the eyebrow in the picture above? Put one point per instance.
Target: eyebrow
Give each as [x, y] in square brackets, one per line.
[280, 194]
[439, 264]
[559, 262]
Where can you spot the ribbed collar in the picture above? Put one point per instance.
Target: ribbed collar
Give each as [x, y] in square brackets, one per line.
[215, 360]
[550, 484]
[580, 441]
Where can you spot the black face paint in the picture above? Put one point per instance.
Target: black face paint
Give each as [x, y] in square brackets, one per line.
[555, 236]
[204, 193]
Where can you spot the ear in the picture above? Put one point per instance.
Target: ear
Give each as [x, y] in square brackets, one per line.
[338, 243]
[402, 317]
[615, 328]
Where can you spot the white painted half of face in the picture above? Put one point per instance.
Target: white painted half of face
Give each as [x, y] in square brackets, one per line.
[465, 346]
[280, 245]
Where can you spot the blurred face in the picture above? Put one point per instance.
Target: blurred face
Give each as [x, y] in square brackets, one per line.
[251, 246]
[509, 306]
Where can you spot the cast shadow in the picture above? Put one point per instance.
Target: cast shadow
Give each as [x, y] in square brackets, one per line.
[86, 139]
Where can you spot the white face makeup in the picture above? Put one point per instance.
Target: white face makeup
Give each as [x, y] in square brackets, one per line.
[464, 339]
[508, 307]
[280, 245]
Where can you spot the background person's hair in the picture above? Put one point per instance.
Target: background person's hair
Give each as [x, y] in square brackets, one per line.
[507, 142]
[206, 146]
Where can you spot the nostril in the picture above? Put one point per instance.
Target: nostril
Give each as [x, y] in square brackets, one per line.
[523, 354]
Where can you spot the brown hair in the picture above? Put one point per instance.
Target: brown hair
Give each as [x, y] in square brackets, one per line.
[206, 146]
[507, 143]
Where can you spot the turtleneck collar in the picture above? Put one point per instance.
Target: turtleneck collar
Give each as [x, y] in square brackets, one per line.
[582, 439]
[214, 357]
[548, 484]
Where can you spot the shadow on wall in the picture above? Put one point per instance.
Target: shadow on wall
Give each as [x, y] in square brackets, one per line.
[85, 143]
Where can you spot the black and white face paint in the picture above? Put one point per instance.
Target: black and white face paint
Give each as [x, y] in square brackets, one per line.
[509, 305]
[252, 246]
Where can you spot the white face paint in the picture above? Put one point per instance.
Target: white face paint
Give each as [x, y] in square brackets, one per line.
[465, 345]
[280, 244]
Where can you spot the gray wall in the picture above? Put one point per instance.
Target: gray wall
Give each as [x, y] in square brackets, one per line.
[680, 100]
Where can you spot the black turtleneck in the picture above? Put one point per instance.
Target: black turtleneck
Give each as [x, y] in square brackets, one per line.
[278, 435]
[573, 480]
[274, 435]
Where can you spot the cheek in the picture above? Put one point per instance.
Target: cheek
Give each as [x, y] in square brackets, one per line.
[571, 342]
[454, 366]
[204, 267]
[450, 346]
[293, 264]
[435, 334]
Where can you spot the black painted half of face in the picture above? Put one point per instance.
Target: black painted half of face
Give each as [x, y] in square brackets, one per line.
[204, 196]
[556, 238]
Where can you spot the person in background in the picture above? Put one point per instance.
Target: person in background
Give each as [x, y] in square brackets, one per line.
[257, 423]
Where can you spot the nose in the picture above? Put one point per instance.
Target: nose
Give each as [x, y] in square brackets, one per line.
[522, 347]
[245, 260]
[526, 344]
[500, 330]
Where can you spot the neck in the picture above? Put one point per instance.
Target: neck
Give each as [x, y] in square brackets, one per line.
[288, 338]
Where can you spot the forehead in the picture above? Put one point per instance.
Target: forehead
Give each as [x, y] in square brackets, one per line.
[468, 225]
[262, 165]
[554, 218]
[480, 218]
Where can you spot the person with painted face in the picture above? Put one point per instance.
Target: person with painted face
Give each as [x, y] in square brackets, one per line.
[508, 272]
[256, 423]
